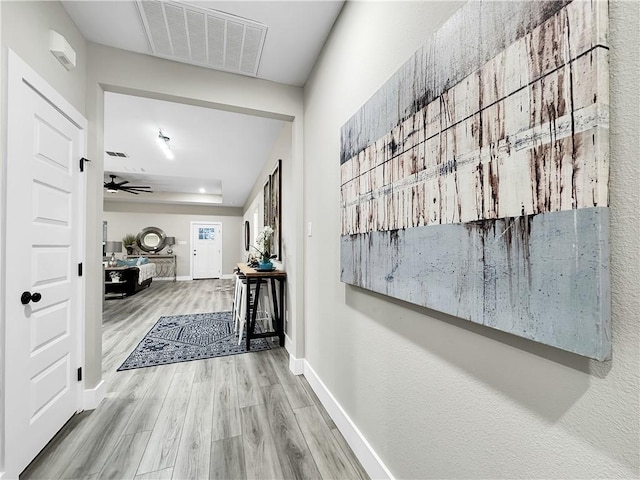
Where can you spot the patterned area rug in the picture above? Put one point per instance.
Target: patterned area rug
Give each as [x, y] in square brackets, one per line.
[182, 338]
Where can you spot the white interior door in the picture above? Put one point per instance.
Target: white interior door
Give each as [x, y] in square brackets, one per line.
[43, 248]
[206, 250]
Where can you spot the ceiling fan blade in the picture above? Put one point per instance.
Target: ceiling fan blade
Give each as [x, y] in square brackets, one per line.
[135, 190]
[124, 186]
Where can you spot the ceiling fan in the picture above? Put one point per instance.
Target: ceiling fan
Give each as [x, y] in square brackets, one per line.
[114, 186]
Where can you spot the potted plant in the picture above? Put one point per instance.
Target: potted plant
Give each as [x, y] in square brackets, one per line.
[264, 248]
[129, 241]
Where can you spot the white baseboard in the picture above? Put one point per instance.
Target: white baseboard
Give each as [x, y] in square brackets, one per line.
[188, 278]
[8, 476]
[288, 344]
[92, 397]
[358, 443]
[296, 365]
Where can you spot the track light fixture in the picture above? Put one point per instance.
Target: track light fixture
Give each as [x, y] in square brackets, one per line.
[163, 142]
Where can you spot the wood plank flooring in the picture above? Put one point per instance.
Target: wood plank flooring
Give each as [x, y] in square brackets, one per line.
[236, 417]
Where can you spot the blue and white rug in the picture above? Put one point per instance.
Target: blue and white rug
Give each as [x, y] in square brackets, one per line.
[182, 338]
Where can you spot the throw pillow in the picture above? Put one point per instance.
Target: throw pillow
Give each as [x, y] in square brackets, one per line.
[126, 263]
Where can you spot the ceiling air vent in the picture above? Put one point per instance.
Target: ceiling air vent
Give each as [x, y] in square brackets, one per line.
[117, 154]
[203, 37]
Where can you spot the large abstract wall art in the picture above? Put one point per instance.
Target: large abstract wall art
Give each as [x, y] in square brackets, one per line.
[475, 181]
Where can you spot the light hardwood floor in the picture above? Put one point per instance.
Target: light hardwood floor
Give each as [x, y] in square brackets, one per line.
[241, 416]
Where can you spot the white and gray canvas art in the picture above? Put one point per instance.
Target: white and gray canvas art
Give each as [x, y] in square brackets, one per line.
[475, 181]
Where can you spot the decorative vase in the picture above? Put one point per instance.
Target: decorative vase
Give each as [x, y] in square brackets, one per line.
[265, 265]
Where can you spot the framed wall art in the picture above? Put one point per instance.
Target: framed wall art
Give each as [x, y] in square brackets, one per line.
[276, 218]
[266, 202]
[273, 206]
[475, 181]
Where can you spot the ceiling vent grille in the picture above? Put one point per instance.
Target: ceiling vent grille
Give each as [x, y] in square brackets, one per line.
[117, 154]
[203, 37]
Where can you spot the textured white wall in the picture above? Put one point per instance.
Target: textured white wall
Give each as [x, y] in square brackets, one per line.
[281, 150]
[438, 397]
[25, 30]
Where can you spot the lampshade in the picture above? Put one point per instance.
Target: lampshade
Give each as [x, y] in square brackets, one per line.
[114, 247]
[170, 240]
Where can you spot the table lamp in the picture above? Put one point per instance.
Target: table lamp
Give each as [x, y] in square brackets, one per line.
[171, 241]
[113, 247]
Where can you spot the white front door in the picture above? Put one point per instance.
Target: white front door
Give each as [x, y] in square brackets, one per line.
[44, 211]
[206, 250]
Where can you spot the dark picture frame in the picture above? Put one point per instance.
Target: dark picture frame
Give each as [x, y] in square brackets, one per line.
[266, 220]
[247, 235]
[273, 208]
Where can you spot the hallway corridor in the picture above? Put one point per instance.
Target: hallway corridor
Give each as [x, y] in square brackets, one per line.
[241, 416]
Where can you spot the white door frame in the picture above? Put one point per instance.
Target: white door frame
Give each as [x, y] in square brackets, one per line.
[191, 224]
[18, 72]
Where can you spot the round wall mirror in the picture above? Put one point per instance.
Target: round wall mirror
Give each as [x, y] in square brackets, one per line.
[151, 239]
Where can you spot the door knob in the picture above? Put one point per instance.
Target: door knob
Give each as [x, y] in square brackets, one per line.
[27, 297]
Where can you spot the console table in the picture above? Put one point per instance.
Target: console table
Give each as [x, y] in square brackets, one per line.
[165, 264]
[264, 278]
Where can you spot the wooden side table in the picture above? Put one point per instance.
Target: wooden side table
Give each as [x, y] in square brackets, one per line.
[111, 287]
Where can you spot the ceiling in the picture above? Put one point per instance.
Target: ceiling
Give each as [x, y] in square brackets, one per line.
[210, 146]
[296, 32]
